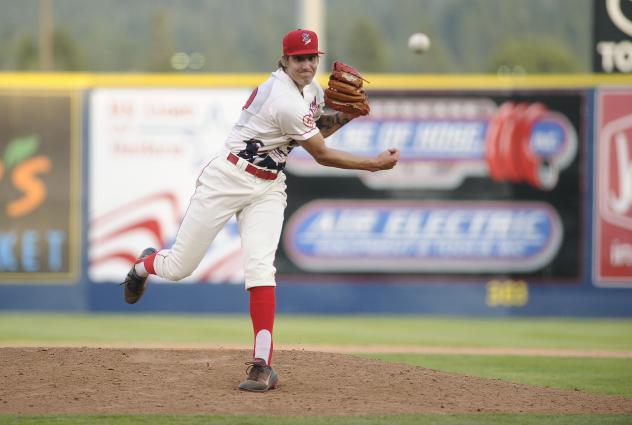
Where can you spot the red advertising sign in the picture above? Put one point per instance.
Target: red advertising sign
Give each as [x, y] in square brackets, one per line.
[613, 197]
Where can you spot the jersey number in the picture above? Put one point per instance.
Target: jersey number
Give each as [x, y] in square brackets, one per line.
[250, 99]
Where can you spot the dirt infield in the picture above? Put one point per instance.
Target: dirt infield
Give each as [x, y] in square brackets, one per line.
[107, 380]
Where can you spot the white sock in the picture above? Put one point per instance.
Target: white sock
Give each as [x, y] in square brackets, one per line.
[263, 344]
[140, 269]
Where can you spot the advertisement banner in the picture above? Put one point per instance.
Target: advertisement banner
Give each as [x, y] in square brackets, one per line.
[612, 31]
[488, 184]
[613, 188]
[424, 236]
[147, 148]
[40, 189]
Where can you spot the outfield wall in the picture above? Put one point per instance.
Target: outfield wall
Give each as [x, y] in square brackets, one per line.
[513, 196]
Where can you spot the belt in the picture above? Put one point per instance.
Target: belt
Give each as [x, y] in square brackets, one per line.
[251, 169]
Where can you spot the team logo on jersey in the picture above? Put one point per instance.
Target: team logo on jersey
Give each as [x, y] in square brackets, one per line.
[306, 38]
[308, 120]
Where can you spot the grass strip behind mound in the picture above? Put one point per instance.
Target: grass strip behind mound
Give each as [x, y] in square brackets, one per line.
[595, 375]
[326, 330]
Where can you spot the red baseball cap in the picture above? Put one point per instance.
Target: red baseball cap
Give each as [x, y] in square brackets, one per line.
[301, 42]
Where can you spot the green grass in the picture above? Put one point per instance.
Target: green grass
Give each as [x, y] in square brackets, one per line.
[339, 330]
[608, 376]
[456, 419]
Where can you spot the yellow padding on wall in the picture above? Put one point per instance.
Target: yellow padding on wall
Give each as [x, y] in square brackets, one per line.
[378, 81]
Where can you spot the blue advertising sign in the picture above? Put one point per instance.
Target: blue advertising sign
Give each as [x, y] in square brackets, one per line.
[423, 236]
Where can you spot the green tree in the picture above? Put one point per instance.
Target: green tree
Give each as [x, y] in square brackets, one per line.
[26, 58]
[534, 55]
[474, 30]
[465, 33]
[65, 51]
[366, 48]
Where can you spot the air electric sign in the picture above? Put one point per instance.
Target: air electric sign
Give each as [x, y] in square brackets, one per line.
[612, 32]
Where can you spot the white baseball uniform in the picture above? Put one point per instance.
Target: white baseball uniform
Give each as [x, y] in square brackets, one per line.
[247, 180]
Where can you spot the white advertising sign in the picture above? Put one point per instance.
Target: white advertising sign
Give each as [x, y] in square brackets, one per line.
[147, 148]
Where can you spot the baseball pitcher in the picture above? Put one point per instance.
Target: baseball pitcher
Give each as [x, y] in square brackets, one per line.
[247, 180]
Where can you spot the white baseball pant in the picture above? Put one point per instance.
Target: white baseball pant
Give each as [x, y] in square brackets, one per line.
[225, 189]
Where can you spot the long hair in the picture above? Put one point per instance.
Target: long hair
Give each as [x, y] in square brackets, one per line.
[281, 64]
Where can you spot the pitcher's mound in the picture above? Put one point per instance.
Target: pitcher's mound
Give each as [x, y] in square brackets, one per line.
[92, 380]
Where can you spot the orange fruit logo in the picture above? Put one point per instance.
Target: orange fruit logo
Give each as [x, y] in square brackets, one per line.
[21, 165]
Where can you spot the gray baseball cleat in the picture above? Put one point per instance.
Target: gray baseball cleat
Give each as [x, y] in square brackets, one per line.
[261, 377]
[134, 284]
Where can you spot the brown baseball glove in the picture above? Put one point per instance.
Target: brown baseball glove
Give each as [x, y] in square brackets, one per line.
[345, 92]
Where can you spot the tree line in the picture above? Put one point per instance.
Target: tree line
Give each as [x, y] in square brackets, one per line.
[468, 36]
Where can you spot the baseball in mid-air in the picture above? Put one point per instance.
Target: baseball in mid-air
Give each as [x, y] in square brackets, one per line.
[419, 42]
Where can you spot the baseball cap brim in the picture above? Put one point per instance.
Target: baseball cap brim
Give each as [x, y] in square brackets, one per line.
[306, 52]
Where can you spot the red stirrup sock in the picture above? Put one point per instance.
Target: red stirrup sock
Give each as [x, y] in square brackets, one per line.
[262, 306]
[148, 262]
[145, 266]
